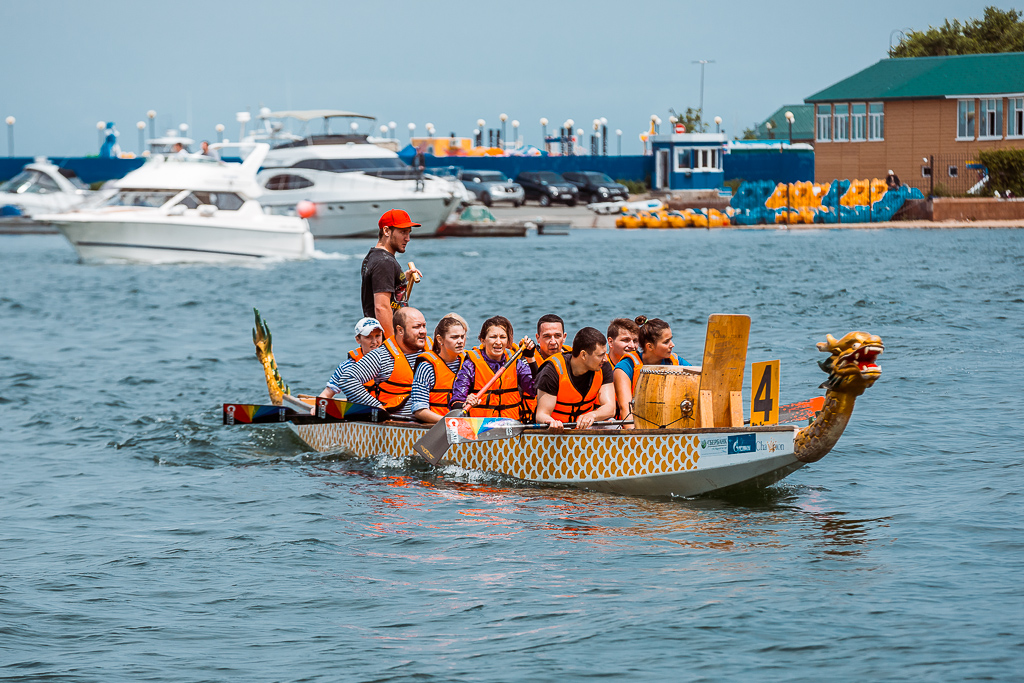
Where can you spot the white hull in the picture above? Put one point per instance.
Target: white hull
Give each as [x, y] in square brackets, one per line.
[646, 463]
[359, 218]
[181, 240]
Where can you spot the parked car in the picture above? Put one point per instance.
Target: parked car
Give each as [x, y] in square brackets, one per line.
[597, 187]
[492, 186]
[546, 187]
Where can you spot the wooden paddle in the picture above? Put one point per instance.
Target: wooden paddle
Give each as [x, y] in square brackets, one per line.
[469, 429]
[434, 444]
[414, 280]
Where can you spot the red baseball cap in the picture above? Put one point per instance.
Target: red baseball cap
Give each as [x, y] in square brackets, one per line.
[396, 218]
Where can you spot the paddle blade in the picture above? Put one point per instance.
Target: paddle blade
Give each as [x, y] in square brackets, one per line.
[248, 413]
[464, 429]
[434, 444]
[801, 410]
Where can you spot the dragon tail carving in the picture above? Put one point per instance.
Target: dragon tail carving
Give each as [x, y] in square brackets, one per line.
[852, 368]
[265, 352]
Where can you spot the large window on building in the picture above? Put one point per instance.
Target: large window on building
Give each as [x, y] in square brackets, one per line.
[991, 119]
[965, 120]
[1015, 117]
[697, 159]
[876, 121]
[858, 121]
[842, 122]
[824, 130]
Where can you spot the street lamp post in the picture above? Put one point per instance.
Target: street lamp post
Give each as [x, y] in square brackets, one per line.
[141, 126]
[579, 140]
[718, 124]
[412, 127]
[151, 115]
[383, 130]
[593, 138]
[501, 141]
[480, 123]
[544, 133]
[568, 137]
[242, 118]
[604, 136]
[100, 127]
[391, 127]
[789, 119]
[220, 132]
[515, 134]
[703, 63]
[618, 134]
[10, 135]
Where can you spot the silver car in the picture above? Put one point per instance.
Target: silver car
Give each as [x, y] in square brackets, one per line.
[492, 186]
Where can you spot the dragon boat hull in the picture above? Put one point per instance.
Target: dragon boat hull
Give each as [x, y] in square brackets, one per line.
[686, 462]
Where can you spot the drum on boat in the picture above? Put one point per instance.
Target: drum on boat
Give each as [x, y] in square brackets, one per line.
[666, 397]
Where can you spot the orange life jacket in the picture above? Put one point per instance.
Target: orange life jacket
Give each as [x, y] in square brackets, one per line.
[444, 379]
[395, 390]
[530, 403]
[570, 404]
[356, 354]
[503, 399]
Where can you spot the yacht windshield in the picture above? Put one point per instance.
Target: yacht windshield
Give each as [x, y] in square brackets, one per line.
[20, 182]
[150, 198]
[345, 165]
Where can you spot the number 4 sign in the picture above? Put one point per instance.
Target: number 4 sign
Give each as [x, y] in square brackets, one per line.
[764, 399]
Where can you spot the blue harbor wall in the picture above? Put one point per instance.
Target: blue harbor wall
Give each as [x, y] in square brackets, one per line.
[788, 166]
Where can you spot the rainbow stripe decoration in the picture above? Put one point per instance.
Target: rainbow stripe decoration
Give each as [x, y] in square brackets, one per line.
[247, 413]
[332, 410]
[462, 429]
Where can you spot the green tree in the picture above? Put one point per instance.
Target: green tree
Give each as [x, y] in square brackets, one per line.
[749, 133]
[692, 119]
[998, 31]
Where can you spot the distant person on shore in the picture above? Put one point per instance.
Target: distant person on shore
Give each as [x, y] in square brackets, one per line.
[892, 181]
[383, 289]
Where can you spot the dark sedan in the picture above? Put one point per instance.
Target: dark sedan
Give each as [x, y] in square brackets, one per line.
[597, 187]
[546, 187]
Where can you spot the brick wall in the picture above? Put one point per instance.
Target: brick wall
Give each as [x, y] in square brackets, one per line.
[991, 209]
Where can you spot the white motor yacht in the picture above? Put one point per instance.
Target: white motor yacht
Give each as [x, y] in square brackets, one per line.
[350, 180]
[187, 208]
[41, 188]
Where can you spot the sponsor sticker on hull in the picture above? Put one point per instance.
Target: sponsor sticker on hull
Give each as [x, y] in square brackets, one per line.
[742, 444]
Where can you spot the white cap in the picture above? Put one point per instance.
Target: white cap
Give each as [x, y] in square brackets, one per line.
[367, 325]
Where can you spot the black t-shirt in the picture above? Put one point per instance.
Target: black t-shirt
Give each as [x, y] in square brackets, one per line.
[547, 378]
[381, 273]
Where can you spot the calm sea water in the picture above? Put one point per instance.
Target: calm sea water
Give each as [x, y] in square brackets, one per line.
[142, 541]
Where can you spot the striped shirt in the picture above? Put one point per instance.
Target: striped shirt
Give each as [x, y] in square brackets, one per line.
[422, 382]
[334, 383]
[377, 366]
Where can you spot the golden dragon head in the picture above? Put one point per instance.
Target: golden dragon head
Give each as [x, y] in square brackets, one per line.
[852, 366]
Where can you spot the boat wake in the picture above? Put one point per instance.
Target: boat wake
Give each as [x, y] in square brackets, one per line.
[318, 255]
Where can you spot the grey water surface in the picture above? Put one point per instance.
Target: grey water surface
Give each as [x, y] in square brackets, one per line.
[142, 541]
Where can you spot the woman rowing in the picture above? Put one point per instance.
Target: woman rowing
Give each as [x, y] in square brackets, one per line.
[435, 375]
[504, 398]
[655, 349]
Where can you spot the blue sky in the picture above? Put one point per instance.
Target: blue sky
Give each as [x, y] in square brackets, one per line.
[70, 64]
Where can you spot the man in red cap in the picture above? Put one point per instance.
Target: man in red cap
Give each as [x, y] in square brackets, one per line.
[384, 283]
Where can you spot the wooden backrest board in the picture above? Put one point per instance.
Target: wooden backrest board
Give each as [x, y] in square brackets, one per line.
[725, 360]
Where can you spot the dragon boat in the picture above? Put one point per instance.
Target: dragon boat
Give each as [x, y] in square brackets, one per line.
[706, 448]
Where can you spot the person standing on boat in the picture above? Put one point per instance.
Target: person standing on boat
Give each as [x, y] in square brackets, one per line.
[505, 397]
[383, 281]
[369, 335]
[655, 349]
[577, 386]
[435, 375]
[389, 368]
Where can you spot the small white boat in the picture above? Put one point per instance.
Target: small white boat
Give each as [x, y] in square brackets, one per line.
[350, 180]
[42, 188]
[180, 208]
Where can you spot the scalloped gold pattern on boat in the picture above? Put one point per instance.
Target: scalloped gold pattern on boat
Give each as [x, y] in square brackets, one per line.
[532, 456]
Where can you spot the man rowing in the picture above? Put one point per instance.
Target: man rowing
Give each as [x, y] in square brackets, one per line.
[505, 397]
[434, 379]
[550, 337]
[369, 335]
[655, 349]
[389, 369]
[383, 288]
[623, 336]
[576, 386]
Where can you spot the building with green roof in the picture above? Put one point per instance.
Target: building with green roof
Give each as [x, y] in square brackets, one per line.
[776, 126]
[926, 118]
